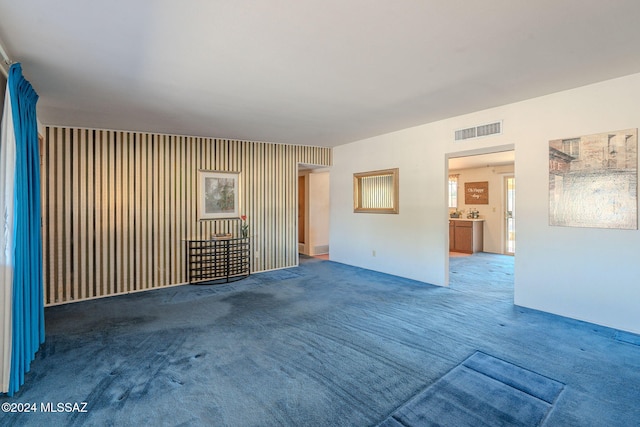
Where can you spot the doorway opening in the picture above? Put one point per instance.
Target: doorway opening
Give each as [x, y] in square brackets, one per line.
[481, 195]
[313, 211]
[510, 215]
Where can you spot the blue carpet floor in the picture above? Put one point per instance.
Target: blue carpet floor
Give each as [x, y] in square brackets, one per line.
[323, 344]
[481, 391]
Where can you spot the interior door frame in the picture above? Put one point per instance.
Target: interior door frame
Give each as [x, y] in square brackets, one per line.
[445, 213]
[303, 178]
[505, 222]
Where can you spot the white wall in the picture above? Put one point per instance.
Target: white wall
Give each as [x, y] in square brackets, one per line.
[588, 274]
[318, 198]
[411, 243]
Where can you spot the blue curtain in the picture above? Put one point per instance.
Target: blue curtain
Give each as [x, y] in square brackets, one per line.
[28, 298]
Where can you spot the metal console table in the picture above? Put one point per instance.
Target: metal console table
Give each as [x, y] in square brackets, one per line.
[217, 260]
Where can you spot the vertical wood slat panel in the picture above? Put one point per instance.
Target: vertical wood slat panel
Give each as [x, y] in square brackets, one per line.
[276, 229]
[118, 224]
[131, 283]
[197, 162]
[47, 205]
[102, 167]
[153, 207]
[44, 200]
[159, 209]
[90, 212]
[267, 250]
[66, 196]
[259, 183]
[176, 266]
[118, 204]
[105, 143]
[126, 190]
[43, 206]
[144, 168]
[59, 240]
[103, 244]
[96, 273]
[113, 231]
[74, 223]
[53, 207]
[139, 170]
[82, 204]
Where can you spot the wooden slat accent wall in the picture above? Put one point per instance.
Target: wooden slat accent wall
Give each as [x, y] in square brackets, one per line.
[116, 206]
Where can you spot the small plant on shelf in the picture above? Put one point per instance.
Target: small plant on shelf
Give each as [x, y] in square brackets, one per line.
[244, 227]
[457, 213]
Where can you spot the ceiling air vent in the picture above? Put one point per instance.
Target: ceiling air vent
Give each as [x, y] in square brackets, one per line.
[478, 131]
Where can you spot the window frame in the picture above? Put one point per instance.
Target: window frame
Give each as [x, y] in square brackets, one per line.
[453, 182]
[357, 191]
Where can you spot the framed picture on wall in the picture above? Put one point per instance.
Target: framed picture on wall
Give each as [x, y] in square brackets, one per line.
[218, 195]
[593, 180]
[476, 193]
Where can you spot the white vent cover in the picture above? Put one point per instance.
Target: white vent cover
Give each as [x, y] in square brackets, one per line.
[479, 131]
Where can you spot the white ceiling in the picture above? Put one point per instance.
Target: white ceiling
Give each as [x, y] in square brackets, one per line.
[312, 72]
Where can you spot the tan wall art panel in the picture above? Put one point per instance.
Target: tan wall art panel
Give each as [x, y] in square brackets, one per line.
[116, 206]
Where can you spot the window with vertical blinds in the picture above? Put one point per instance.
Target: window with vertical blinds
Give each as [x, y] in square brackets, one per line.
[376, 191]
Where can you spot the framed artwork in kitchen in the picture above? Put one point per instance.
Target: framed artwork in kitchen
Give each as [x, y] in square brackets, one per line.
[476, 193]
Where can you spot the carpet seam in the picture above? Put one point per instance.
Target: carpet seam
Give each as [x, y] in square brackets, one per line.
[418, 392]
[508, 385]
[520, 367]
[620, 336]
[550, 405]
[423, 389]
[543, 421]
[399, 421]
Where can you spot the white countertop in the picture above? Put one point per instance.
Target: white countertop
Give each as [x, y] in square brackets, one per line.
[466, 219]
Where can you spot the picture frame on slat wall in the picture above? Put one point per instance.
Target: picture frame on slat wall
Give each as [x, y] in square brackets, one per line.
[218, 195]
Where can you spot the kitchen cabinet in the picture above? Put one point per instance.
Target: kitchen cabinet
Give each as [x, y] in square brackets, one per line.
[466, 235]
